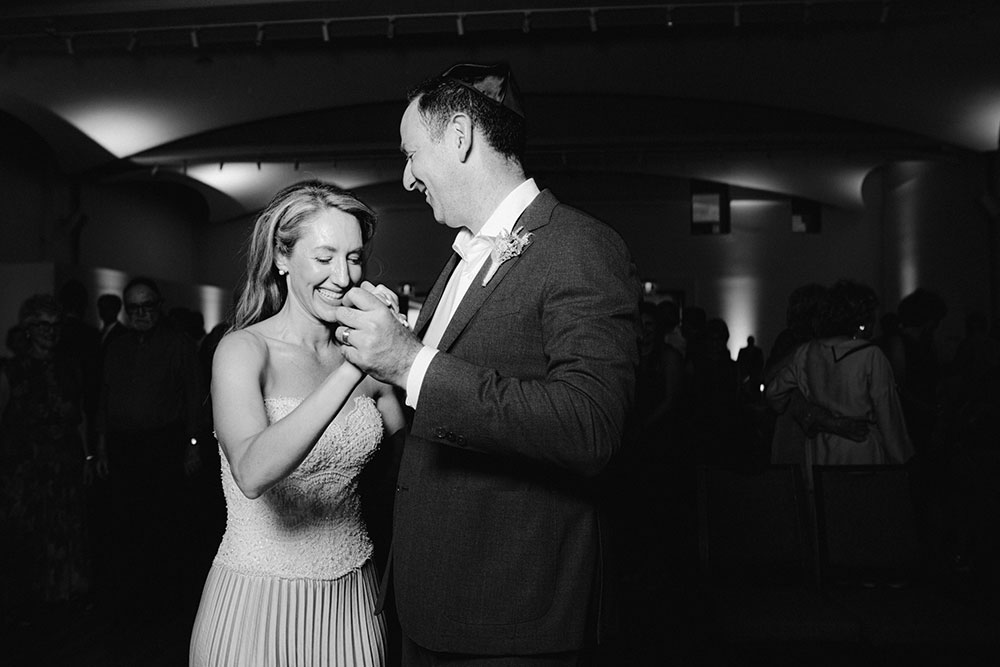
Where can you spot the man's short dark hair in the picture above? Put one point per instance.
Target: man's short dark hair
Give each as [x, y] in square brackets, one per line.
[108, 306]
[440, 98]
[109, 301]
[73, 297]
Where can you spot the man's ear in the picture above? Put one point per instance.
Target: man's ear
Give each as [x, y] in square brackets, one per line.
[461, 128]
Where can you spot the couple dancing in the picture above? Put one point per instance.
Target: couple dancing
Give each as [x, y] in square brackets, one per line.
[519, 371]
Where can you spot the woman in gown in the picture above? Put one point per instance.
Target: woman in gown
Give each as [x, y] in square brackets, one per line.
[293, 582]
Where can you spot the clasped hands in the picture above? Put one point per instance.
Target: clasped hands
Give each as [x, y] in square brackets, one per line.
[374, 335]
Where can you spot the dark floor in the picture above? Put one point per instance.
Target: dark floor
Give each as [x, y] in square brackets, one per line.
[89, 635]
[911, 628]
[668, 614]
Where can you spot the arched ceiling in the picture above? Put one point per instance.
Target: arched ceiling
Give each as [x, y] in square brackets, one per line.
[796, 98]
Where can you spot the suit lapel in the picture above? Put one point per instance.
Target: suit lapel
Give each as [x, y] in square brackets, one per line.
[434, 296]
[536, 215]
[470, 304]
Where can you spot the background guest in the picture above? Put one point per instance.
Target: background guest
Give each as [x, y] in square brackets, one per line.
[149, 415]
[109, 307]
[42, 457]
[750, 367]
[845, 373]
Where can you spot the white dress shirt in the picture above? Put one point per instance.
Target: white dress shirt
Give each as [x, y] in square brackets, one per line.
[474, 255]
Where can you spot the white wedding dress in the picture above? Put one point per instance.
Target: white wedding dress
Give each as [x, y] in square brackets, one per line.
[293, 583]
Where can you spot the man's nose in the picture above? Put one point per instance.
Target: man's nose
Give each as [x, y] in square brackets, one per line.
[409, 182]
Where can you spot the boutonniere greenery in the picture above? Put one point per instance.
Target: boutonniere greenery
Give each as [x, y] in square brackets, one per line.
[506, 245]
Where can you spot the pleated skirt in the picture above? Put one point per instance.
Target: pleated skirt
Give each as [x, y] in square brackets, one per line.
[260, 621]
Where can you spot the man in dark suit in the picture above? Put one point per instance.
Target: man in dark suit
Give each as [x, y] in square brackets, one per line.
[521, 371]
[109, 306]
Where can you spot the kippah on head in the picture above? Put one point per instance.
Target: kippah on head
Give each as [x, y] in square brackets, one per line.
[494, 82]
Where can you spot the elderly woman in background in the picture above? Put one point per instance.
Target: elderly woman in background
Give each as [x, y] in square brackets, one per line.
[845, 374]
[42, 468]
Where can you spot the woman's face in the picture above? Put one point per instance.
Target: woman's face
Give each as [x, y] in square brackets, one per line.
[324, 264]
[43, 333]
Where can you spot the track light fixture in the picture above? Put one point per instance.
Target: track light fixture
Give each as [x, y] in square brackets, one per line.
[591, 11]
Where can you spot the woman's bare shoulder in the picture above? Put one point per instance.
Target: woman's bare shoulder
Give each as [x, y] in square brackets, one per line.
[243, 345]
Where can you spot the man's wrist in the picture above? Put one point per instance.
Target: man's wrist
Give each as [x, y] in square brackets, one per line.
[415, 375]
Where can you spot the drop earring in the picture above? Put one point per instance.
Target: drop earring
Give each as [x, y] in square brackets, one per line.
[282, 272]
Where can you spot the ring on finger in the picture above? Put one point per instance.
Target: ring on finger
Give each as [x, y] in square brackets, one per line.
[346, 337]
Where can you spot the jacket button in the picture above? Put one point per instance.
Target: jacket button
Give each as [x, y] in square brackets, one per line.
[451, 436]
[440, 432]
[460, 440]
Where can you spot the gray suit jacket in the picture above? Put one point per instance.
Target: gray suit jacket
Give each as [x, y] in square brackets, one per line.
[496, 539]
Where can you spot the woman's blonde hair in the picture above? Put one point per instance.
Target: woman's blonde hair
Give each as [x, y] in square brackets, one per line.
[277, 230]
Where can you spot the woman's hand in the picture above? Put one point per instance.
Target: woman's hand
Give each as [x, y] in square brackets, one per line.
[386, 296]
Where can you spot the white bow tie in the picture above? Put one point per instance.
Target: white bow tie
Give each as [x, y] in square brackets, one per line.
[472, 248]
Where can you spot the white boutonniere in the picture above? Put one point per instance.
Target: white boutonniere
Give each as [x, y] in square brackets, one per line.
[506, 245]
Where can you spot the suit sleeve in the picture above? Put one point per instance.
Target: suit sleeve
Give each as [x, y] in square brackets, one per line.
[559, 373]
[783, 384]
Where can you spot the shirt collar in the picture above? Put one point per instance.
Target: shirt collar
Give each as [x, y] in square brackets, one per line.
[506, 214]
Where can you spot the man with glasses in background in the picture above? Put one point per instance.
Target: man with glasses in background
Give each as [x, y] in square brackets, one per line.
[147, 421]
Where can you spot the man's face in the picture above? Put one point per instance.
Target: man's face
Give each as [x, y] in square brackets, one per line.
[143, 307]
[428, 167]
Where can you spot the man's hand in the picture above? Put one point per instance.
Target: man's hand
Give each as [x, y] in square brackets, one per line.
[374, 339]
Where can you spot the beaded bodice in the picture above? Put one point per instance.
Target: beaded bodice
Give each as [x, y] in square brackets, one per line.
[308, 525]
